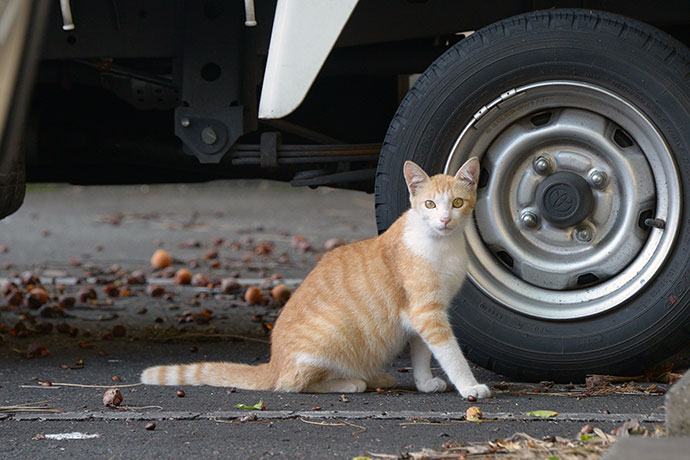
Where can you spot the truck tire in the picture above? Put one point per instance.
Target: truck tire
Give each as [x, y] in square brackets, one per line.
[12, 187]
[27, 34]
[578, 262]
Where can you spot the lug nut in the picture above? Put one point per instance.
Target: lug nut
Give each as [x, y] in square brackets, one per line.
[185, 122]
[529, 220]
[584, 234]
[542, 165]
[598, 179]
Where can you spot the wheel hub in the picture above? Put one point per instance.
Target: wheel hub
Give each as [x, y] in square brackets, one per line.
[572, 173]
[564, 199]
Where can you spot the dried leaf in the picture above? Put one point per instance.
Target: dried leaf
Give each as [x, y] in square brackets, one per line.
[542, 413]
[258, 406]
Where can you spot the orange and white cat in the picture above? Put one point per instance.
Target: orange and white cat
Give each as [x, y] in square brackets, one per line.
[364, 302]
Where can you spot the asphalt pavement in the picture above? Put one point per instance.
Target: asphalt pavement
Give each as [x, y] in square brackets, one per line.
[59, 362]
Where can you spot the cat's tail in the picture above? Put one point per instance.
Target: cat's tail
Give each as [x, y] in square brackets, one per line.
[220, 374]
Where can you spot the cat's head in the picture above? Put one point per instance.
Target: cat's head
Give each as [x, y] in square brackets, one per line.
[443, 202]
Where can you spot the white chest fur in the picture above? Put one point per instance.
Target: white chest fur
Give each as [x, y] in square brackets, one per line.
[447, 254]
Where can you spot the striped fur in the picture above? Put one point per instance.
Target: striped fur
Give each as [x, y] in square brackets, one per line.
[364, 302]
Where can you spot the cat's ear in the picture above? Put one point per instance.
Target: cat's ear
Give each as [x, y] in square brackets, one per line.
[414, 176]
[469, 172]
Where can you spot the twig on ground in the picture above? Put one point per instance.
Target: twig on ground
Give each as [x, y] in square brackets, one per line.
[79, 385]
[362, 429]
[29, 407]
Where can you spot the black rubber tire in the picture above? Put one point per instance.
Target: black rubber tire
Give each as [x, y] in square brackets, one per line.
[13, 143]
[646, 66]
[12, 187]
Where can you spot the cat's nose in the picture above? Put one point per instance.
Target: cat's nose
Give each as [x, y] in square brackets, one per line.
[445, 220]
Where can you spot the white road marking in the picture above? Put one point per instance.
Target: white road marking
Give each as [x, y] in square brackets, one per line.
[72, 435]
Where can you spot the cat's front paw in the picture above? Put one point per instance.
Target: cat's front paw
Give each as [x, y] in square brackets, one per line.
[477, 391]
[433, 385]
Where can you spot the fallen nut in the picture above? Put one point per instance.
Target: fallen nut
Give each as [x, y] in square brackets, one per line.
[180, 394]
[471, 398]
[150, 426]
[228, 285]
[155, 290]
[85, 294]
[253, 295]
[28, 277]
[66, 301]
[112, 397]
[587, 429]
[36, 297]
[473, 414]
[136, 277]
[199, 280]
[301, 243]
[161, 259]
[182, 276]
[280, 293]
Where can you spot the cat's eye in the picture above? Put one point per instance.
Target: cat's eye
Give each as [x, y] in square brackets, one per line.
[458, 202]
[429, 204]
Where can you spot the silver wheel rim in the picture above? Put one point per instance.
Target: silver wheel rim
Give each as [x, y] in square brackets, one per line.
[519, 254]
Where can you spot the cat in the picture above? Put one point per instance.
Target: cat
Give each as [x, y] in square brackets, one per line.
[363, 302]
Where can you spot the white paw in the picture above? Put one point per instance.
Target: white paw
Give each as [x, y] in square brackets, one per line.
[432, 385]
[477, 391]
[383, 380]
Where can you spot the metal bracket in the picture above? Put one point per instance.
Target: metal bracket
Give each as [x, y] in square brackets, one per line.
[208, 133]
[210, 118]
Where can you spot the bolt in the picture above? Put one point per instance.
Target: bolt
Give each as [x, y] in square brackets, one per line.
[583, 234]
[185, 122]
[209, 136]
[542, 165]
[598, 179]
[529, 220]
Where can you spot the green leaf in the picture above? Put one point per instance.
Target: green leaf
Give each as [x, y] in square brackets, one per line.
[554, 457]
[257, 406]
[542, 413]
[361, 458]
[587, 437]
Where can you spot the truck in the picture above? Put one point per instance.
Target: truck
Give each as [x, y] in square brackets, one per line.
[578, 111]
